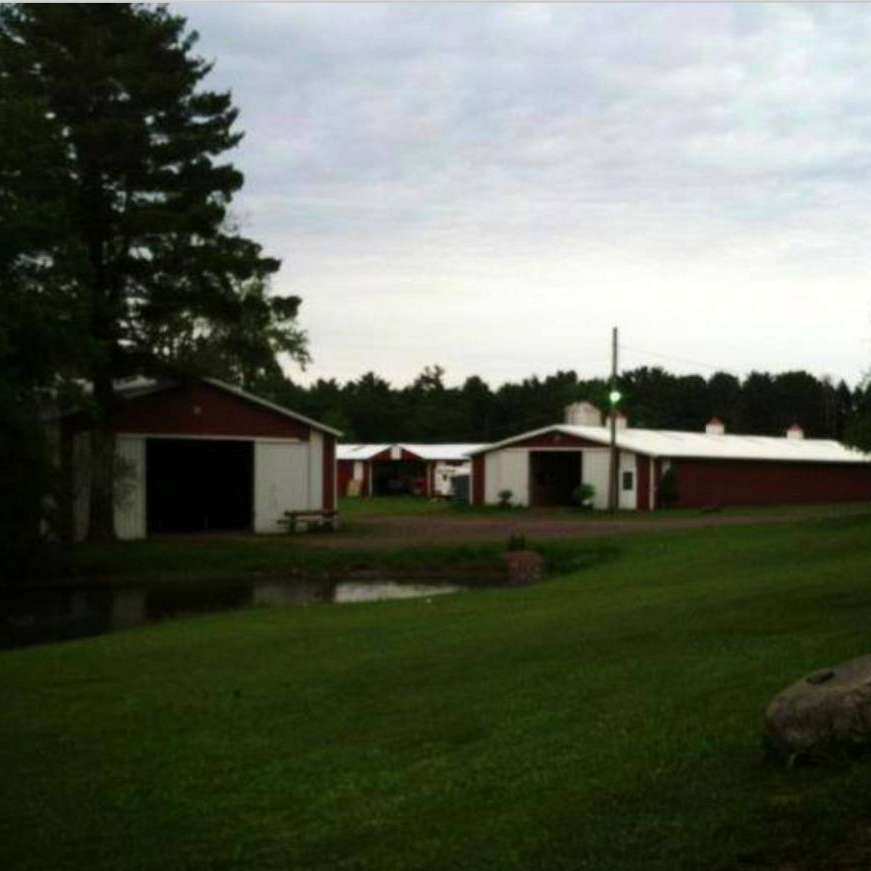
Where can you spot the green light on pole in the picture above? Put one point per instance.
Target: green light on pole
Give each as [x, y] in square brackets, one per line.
[615, 396]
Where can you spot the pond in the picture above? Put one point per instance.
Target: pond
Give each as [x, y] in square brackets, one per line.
[42, 616]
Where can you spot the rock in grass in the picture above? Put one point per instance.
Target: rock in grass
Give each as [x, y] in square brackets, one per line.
[523, 567]
[826, 711]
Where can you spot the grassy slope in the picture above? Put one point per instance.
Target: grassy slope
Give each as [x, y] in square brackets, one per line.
[608, 719]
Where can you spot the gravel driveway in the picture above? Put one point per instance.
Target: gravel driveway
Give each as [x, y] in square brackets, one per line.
[380, 531]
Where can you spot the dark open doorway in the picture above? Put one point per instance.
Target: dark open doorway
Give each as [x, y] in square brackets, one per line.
[554, 476]
[199, 485]
[398, 478]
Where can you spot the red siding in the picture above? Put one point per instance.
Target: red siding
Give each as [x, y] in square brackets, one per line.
[734, 482]
[478, 467]
[655, 478]
[555, 440]
[642, 490]
[174, 412]
[478, 479]
[329, 476]
[345, 472]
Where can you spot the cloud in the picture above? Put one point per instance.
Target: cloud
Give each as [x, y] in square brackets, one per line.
[491, 187]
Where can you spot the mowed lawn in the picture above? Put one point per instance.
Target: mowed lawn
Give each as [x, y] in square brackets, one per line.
[606, 719]
[355, 508]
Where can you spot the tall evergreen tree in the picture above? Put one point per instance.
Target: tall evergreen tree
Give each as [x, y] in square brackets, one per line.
[143, 251]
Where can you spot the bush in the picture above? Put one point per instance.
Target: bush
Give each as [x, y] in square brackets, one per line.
[582, 496]
[516, 542]
[505, 497]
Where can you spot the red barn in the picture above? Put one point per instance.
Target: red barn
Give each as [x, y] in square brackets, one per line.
[201, 455]
[713, 468]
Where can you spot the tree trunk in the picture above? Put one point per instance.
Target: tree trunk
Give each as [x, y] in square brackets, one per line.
[66, 509]
[101, 508]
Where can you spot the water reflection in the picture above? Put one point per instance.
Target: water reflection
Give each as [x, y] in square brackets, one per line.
[356, 592]
[40, 616]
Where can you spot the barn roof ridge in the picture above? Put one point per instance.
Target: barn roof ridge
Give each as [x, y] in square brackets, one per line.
[701, 445]
[433, 451]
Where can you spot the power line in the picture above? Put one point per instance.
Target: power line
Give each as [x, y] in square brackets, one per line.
[673, 359]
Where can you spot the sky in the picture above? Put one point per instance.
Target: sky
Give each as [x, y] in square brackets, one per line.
[493, 187]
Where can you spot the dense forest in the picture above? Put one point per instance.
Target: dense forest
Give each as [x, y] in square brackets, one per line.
[370, 409]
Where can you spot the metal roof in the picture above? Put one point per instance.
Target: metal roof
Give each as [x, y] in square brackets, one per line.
[359, 452]
[450, 452]
[432, 453]
[702, 445]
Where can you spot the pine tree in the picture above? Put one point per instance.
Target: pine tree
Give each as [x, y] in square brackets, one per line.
[151, 274]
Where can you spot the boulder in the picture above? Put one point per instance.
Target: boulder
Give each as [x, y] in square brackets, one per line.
[523, 567]
[827, 710]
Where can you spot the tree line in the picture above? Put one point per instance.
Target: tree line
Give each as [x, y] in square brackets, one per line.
[370, 409]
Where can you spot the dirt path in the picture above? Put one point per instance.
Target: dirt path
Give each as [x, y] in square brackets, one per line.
[421, 530]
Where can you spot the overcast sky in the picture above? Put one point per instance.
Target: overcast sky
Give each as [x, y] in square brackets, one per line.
[493, 187]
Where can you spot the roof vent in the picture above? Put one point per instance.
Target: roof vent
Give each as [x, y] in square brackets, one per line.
[583, 414]
[715, 426]
[795, 432]
[621, 420]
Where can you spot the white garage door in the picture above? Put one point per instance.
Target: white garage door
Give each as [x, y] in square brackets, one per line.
[281, 482]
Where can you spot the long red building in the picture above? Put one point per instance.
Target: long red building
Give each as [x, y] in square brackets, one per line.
[708, 469]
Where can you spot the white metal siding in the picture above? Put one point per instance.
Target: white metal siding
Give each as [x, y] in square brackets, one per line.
[315, 471]
[492, 477]
[281, 482]
[594, 470]
[628, 498]
[507, 470]
[130, 490]
[515, 475]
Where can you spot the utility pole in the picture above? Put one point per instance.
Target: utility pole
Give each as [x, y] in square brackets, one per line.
[614, 397]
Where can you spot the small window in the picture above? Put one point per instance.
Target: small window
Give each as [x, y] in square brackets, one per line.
[628, 480]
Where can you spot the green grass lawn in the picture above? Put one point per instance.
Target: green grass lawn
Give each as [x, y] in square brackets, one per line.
[607, 719]
[351, 507]
[175, 560]
[354, 508]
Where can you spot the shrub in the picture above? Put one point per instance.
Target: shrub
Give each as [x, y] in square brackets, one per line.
[505, 497]
[516, 541]
[582, 496]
